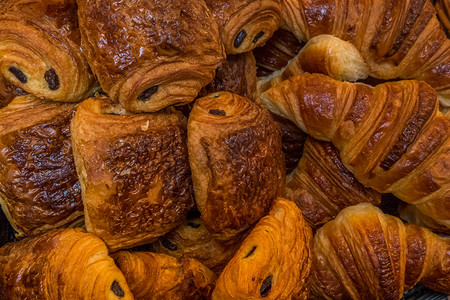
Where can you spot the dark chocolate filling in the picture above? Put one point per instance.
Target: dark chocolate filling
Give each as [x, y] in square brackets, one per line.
[117, 290]
[148, 93]
[266, 286]
[217, 112]
[240, 38]
[52, 79]
[258, 36]
[19, 74]
[169, 245]
[251, 252]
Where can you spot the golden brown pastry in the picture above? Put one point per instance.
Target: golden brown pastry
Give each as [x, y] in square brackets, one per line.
[192, 239]
[133, 170]
[321, 186]
[160, 276]
[276, 52]
[236, 75]
[40, 49]
[274, 261]
[411, 214]
[391, 137]
[39, 188]
[150, 54]
[8, 92]
[365, 254]
[60, 264]
[245, 24]
[292, 141]
[236, 162]
[324, 54]
[443, 12]
[397, 39]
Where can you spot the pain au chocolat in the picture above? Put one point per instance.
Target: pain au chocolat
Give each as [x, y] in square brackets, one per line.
[133, 170]
[39, 188]
[236, 161]
[40, 49]
[61, 264]
[150, 54]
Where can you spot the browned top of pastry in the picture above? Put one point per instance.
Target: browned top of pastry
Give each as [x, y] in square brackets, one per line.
[60, 264]
[236, 75]
[134, 171]
[38, 183]
[122, 36]
[236, 160]
[160, 276]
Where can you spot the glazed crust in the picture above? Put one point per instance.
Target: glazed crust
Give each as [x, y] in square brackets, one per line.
[391, 137]
[274, 261]
[40, 49]
[321, 186]
[236, 75]
[150, 54]
[276, 52]
[60, 264]
[236, 162]
[245, 24]
[159, 276]
[134, 172]
[396, 38]
[39, 188]
[365, 254]
[192, 239]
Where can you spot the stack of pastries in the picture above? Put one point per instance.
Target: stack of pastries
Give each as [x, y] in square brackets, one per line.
[227, 149]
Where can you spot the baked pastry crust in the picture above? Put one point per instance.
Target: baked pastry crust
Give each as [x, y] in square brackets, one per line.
[274, 261]
[245, 24]
[236, 161]
[60, 264]
[321, 186]
[150, 54]
[401, 39]
[133, 170]
[365, 254]
[40, 49]
[160, 276]
[39, 187]
[391, 137]
[192, 239]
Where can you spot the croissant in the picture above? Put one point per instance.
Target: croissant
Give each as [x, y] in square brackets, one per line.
[274, 261]
[443, 12]
[321, 186]
[60, 264]
[160, 276]
[236, 162]
[323, 54]
[236, 75]
[133, 170]
[245, 24]
[40, 49]
[401, 39]
[276, 52]
[192, 239]
[8, 92]
[365, 254]
[39, 187]
[412, 215]
[391, 137]
[292, 142]
[150, 54]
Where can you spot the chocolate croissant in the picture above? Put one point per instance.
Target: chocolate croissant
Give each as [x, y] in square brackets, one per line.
[39, 187]
[40, 49]
[60, 264]
[402, 39]
[274, 261]
[391, 137]
[192, 239]
[276, 52]
[321, 186]
[245, 24]
[150, 54]
[236, 162]
[365, 254]
[324, 54]
[133, 170]
[160, 276]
